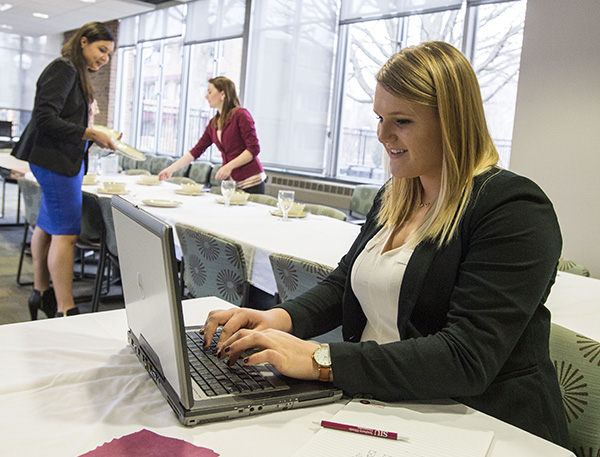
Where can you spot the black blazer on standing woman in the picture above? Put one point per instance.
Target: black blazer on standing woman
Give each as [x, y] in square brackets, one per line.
[53, 137]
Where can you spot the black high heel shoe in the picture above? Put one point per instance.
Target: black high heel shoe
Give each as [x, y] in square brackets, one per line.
[45, 301]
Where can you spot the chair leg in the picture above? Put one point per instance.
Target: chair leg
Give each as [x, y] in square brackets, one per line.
[18, 205]
[24, 244]
[3, 196]
[99, 277]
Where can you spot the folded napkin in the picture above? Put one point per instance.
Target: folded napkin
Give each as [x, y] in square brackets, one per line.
[149, 444]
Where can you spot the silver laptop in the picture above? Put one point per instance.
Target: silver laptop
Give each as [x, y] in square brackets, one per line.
[198, 386]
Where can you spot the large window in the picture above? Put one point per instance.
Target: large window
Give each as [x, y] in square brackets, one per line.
[369, 45]
[164, 68]
[496, 57]
[289, 80]
[125, 113]
[160, 96]
[492, 40]
[24, 58]
[207, 60]
[306, 72]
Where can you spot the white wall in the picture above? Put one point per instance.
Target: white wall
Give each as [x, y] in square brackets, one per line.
[556, 139]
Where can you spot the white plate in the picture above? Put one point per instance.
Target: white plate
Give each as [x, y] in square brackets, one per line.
[129, 151]
[232, 203]
[108, 131]
[187, 192]
[278, 213]
[90, 182]
[148, 183]
[162, 203]
[112, 192]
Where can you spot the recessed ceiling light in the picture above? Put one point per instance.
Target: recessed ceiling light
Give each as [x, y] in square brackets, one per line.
[88, 1]
[6, 27]
[5, 6]
[41, 15]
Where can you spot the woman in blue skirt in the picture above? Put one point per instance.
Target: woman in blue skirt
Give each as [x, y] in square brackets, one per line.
[55, 143]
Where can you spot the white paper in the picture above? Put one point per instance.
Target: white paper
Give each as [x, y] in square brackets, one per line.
[425, 439]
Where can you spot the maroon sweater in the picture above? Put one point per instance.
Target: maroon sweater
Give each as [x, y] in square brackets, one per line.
[238, 135]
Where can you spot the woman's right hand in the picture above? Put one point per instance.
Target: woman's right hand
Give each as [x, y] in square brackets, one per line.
[235, 319]
[165, 174]
[102, 140]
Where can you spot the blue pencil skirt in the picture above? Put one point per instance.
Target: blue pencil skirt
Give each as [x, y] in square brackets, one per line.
[60, 210]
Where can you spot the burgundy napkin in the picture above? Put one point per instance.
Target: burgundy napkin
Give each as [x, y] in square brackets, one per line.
[149, 444]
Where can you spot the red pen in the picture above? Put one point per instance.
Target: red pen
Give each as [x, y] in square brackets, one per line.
[363, 431]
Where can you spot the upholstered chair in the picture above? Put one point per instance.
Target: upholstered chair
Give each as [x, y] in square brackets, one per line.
[576, 359]
[213, 265]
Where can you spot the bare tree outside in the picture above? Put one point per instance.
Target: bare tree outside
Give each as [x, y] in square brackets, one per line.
[497, 36]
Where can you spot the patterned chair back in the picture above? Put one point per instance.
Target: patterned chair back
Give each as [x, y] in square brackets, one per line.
[362, 199]
[91, 219]
[577, 362]
[323, 210]
[295, 276]
[32, 197]
[146, 164]
[213, 181]
[263, 199]
[159, 163]
[200, 172]
[181, 180]
[213, 265]
[127, 163]
[109, 226]
[571, 267]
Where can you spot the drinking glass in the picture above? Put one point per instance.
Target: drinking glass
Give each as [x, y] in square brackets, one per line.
[285, 201]
[227, 190]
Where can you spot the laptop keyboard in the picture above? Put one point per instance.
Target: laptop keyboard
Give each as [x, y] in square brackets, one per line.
[215, 377]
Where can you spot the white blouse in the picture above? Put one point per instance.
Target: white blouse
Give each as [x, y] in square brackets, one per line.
[376, 278]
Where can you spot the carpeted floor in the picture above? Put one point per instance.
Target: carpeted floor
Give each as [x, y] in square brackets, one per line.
[13, 297]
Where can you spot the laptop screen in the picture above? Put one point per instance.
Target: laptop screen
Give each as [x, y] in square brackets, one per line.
[151, 291]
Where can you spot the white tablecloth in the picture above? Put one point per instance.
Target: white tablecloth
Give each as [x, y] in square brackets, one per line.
[69, 385]
[575, 304]
[318, 238]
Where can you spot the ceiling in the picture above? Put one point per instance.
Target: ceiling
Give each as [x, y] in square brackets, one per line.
[65, 15]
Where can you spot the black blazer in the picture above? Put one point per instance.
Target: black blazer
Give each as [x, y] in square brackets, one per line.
[471, 318]
[53, 137]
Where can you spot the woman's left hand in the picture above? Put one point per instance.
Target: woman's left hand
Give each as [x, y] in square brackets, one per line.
[289, 355]
[224, 172]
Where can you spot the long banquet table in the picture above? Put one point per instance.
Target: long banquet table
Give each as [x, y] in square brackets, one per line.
[318, 238]
[69, 385]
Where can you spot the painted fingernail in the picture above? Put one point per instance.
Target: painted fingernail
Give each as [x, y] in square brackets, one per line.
[227, 349]
[246, 360]
[219, 354]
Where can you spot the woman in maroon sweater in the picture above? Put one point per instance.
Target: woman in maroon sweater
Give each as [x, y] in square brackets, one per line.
[232, 131]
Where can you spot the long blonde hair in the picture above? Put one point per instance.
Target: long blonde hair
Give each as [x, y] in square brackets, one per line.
[436, 74]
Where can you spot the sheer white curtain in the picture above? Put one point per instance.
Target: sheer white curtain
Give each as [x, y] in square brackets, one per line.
[210, 20]
[164, 23]
[365, 9]
[289, 88]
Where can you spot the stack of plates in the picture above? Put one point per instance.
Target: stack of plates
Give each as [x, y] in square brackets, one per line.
[123, 148]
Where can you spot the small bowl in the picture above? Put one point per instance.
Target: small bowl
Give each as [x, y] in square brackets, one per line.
[296, 208]
[149, 179]
[90, 179]
[240, 197]
[191, 187]
[113, 186]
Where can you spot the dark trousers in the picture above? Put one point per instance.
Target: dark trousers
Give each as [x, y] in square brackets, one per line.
[258, 189]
